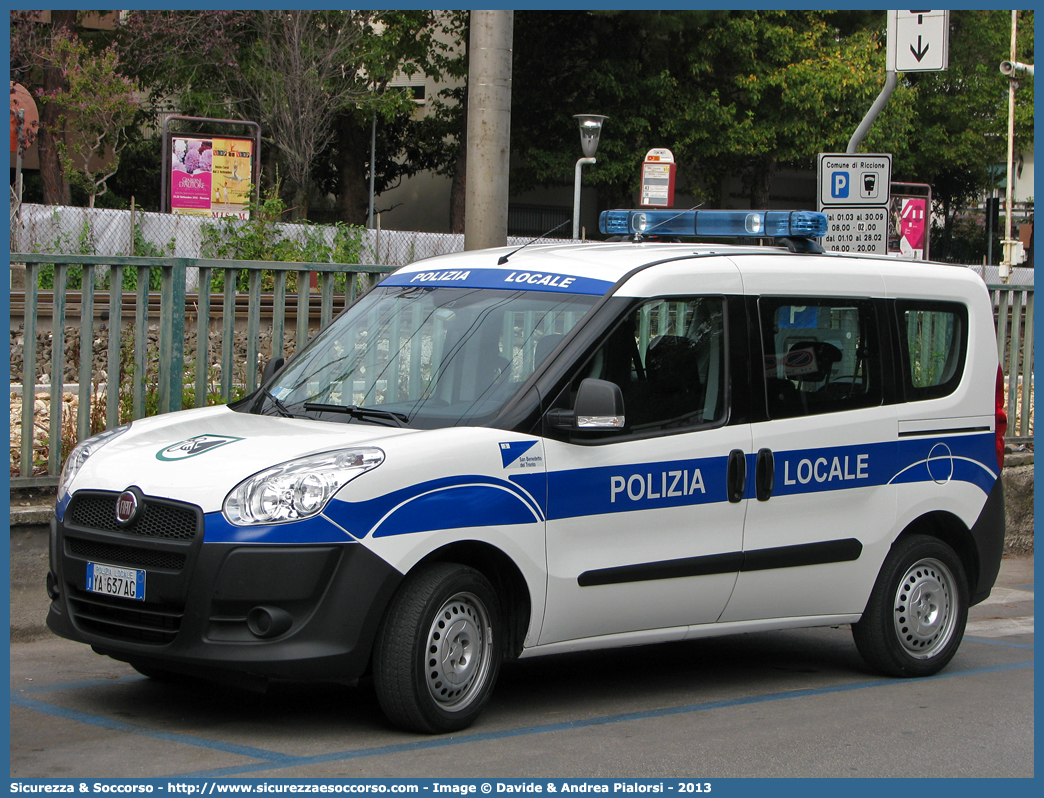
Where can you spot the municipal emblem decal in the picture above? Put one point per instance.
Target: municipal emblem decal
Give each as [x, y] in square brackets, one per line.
[194, 446]
[514, 455]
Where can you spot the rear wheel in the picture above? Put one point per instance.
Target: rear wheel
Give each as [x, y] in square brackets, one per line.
[438, 651]
[915, 619]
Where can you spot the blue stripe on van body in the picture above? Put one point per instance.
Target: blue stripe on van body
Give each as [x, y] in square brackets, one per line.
[317, 529]
[632, 487]
[517, 279]
[467, 501]
[926, 459]
[456, 502]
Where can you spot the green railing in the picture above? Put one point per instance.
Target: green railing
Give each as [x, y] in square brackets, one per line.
[159, 373]
[1013, 305]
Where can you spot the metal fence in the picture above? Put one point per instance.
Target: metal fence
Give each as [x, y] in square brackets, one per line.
[180, 348]
[64, 230]
[132, 359]
[1013, 307]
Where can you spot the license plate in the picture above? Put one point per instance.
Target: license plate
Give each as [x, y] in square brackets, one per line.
[112, 581]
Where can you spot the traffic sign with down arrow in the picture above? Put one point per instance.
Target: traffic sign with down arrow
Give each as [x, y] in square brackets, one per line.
[918, 41]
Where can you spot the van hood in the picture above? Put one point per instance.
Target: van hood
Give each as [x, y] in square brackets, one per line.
[198, 456]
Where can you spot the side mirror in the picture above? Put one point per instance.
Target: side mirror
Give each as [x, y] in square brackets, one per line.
[271, 367]
[599, 406]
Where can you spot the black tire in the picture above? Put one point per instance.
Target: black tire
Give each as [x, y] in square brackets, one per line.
[915, 618]
[438, 650]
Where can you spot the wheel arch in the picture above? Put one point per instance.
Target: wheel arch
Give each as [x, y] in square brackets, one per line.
[952, 531]
[505, 577]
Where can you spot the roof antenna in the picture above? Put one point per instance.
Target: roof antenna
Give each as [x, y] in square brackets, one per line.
[504, 258]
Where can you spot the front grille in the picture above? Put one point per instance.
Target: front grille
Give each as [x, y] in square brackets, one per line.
[155, 519]
[114, 554]
[112, 617]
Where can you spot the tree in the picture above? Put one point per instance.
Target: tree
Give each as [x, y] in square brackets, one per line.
[730, 92]
[768, 88]
[315, 81]
[305, 69]
[32, 41]
[94, 112]
[411, 42]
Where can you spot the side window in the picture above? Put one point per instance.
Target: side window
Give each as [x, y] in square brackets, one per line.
[821, 355]
[668, 357]
[934, 343]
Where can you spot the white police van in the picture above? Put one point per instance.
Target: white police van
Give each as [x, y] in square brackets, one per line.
[502, 454]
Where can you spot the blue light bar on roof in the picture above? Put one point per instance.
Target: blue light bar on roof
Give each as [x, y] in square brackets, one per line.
[757, 224]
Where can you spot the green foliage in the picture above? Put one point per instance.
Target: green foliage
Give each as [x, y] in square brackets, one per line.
[94, 112]
[743, 93]
[263, 237]
[148, 379]
[209, 61]
[729, 92]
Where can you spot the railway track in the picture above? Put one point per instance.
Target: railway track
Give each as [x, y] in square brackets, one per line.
[129, 302]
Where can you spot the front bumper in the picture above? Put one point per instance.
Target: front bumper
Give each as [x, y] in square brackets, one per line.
[295, 612]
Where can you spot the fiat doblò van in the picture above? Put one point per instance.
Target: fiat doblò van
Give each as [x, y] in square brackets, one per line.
[512, 453]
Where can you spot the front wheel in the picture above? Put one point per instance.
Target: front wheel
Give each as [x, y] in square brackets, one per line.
[437, 653]
[915, 618]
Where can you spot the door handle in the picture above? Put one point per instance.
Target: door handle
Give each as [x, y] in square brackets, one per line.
[736, 479]
[764, 473]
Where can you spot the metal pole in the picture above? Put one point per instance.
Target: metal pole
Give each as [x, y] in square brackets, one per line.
[1005, 265]
[576, 196]
[489, 129]
[891, 80]
[18, 166]
[373, 151]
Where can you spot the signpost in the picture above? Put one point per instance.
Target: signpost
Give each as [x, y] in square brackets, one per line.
[854, 193]
[918, 41]
[658, 173]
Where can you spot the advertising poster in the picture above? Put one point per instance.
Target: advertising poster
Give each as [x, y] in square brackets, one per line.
[912, 227]
[908, 227]
[211, 176]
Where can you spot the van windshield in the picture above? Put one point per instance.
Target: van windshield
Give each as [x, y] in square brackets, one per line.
[424, 357]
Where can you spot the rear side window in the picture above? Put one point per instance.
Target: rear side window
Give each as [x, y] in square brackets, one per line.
[934, 342]
[821, 355]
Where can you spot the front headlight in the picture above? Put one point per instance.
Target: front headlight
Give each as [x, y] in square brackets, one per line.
[81, 452]
[298, 489]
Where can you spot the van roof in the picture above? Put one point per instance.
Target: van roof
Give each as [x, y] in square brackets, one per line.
[594, 267]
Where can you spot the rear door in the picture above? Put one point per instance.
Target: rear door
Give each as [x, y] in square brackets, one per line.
[822, 511]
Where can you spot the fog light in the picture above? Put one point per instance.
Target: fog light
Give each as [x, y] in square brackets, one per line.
[268, 622]
[52, 587]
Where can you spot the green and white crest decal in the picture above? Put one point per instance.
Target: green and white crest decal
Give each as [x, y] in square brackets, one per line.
[194, 446]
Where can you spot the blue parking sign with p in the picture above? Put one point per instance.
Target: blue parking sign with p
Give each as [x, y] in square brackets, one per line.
[839, 185]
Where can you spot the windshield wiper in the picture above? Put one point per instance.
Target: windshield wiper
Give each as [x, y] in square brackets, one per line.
[282, 409]
[396, 419]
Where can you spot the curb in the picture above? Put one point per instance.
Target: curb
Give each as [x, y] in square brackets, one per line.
[32, 516]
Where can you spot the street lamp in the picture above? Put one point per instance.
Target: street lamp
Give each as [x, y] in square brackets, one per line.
[590, 130]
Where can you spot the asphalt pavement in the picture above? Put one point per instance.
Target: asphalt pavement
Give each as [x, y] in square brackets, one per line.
[797, 703]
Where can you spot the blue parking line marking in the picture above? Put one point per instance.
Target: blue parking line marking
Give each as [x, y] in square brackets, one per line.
[271, 760]
[998, 643]
[272, 757]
